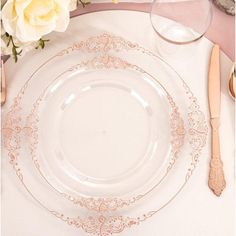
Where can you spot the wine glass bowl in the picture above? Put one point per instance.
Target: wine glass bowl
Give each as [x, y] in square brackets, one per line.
[179, 21]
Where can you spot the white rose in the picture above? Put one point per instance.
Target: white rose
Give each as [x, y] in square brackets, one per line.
[29, 20]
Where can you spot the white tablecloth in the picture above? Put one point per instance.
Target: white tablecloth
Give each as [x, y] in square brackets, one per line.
[196, 211]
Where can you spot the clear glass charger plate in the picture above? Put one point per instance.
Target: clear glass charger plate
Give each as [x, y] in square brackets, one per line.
[21, 118]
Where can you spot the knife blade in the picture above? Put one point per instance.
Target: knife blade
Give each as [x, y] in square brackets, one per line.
[3, 84]
[216, 180]
[214, 83]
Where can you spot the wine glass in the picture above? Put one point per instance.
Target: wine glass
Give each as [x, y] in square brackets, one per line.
[181, 21]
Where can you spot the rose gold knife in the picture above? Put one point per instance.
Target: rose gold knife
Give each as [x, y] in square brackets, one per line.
[216, 180]
[3, 85]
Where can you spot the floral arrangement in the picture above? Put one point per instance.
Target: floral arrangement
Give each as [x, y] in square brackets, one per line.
[25, 22]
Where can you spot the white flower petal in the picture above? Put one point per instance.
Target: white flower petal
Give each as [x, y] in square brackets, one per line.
[62, 20]
[73, 5]
[64, 3]
[20, 5]
[26, 32]
[8, 19]
[29, 20]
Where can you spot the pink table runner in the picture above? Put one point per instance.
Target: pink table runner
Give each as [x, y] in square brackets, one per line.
[221, 31]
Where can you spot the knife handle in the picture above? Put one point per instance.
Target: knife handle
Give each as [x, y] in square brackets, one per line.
[216, 180]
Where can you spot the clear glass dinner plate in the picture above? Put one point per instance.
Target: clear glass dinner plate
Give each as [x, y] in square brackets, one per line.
[104, 116]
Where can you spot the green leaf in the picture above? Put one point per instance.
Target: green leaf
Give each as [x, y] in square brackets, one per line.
[84, 2]
[41, 43]
[14, 48]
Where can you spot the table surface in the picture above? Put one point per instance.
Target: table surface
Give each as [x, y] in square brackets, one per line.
[221, 31]
[196, 211]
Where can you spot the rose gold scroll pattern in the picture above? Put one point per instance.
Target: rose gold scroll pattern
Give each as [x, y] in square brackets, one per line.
[106, 225]
[106, 204]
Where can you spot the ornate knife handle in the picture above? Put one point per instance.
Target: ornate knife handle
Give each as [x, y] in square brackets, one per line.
[216, 180]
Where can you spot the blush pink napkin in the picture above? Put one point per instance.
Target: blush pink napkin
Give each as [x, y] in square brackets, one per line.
[221, 31]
